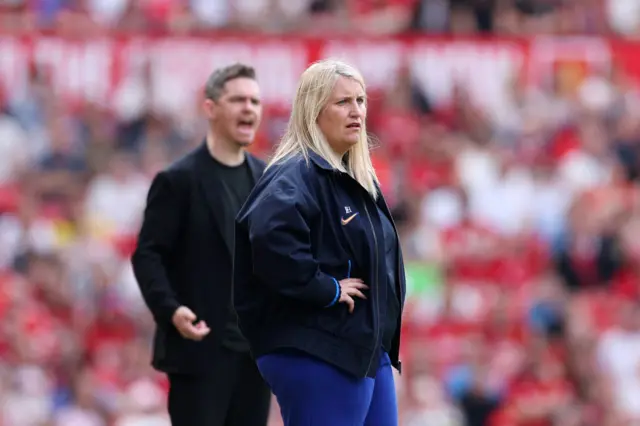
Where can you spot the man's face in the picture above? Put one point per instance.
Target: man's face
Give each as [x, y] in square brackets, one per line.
[237, 113]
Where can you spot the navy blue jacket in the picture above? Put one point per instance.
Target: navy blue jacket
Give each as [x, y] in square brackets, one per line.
[304, 227]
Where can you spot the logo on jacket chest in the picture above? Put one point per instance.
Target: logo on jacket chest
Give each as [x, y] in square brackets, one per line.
[348, 216]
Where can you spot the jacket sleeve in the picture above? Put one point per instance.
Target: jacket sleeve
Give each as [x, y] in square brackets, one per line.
[160, 227]
[281, 248]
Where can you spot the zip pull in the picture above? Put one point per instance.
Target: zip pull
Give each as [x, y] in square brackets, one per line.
[349, 269]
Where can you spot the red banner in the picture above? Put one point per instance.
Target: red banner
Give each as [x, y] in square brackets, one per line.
[111, 71]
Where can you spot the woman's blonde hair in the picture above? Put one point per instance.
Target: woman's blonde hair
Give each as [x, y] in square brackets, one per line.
[303, 133]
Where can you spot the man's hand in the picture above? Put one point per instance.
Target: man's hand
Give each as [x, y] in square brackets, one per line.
[350, 288]
[183, 319]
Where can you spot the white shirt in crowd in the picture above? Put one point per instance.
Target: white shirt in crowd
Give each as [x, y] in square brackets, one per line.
[619, 357]
[117, 205]
[624, 15]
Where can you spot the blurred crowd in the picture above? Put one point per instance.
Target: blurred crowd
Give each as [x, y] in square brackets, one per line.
[375, 17]
[531, 315]
[521, 230]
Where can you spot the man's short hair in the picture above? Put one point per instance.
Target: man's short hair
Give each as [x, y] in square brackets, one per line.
[215, 83]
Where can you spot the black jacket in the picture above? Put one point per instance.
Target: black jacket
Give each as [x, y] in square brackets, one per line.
[182, 259]
[305, 227]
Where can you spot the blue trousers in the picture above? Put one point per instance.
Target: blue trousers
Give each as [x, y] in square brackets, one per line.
[311, 392]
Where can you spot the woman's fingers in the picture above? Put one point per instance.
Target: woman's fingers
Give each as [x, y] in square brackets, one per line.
[353, 283]
[352, 287]
[355, 292]
[345, 298]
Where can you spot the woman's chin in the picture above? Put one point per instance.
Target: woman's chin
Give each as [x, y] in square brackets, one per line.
[352, 141]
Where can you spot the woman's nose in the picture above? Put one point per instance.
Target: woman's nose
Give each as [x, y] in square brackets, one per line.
[355, 111]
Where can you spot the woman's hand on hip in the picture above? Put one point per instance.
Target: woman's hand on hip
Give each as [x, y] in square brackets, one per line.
[350, 288]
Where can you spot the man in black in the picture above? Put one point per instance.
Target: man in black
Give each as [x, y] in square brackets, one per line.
[183, 264]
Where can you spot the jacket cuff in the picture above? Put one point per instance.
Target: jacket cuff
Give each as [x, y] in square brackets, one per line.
[337, 296]
[165, 314]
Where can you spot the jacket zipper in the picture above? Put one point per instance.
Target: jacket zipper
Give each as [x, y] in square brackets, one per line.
[377, 302]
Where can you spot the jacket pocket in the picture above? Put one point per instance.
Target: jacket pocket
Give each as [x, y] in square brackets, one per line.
[354, 327]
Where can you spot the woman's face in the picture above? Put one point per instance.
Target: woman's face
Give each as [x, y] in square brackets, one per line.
[342, 118]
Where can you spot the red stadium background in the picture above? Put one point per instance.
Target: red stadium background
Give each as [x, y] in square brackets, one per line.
[482, 339]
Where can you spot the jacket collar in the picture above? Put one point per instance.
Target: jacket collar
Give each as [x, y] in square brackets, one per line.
[319, 161]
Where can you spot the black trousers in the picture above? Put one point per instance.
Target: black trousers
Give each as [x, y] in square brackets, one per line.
[233, 395]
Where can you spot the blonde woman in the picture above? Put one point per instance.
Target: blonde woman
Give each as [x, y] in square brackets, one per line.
[318, 274]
